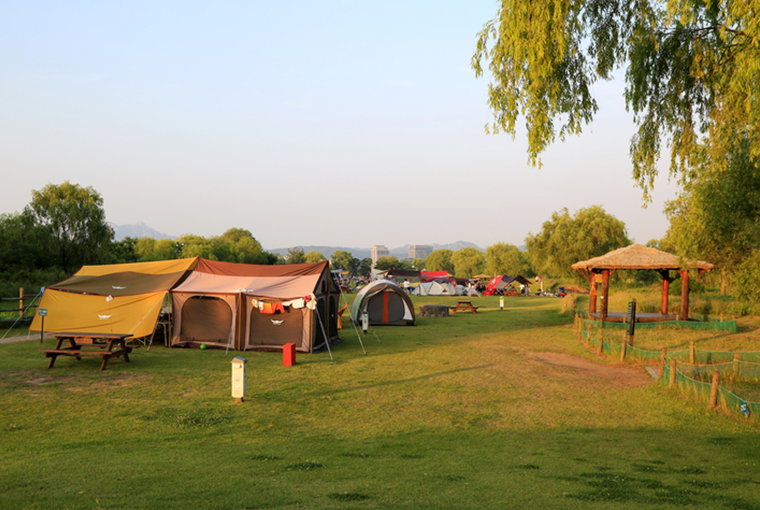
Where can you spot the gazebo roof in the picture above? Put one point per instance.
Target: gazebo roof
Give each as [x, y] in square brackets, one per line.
[637, 256]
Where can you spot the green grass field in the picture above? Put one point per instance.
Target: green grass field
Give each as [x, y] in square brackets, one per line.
[500, 409]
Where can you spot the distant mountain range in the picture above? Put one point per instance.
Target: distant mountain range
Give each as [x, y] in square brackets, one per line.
[137, 230]
[143, 230]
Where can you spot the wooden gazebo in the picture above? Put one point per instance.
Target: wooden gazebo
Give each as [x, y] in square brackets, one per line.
[636, 257]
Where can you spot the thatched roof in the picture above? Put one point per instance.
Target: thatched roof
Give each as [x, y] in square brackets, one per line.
[637, 256]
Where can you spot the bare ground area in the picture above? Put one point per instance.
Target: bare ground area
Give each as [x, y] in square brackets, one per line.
[618, 375]
[22, 338]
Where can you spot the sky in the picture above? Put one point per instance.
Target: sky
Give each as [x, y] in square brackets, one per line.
[338, 123]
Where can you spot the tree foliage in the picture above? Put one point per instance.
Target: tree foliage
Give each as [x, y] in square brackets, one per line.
[75, 223]
[440, 260]
[314, 256]
[467, 262]
[386, 263]
[716, 217]
[507, 259]
[23, 245]
[296, 256]
[235, 245]
[342, 259]
[691, 69]
[565, 240]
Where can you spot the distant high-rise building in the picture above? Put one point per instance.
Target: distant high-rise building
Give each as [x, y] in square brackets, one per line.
[379, 251]
[419, 251]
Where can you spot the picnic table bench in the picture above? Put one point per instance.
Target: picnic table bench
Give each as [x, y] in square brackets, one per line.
[89, 345]
[463, 306]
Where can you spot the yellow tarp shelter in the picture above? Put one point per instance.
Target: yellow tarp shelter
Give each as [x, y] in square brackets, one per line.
[116, 298]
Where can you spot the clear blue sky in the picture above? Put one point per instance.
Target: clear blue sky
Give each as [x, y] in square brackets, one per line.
[308, 123]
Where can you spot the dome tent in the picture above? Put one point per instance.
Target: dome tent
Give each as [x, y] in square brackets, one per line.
[385, 303]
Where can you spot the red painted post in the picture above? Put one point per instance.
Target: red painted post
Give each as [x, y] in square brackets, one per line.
[289, 355]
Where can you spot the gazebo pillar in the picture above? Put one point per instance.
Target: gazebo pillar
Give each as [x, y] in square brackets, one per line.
[605, 291]
[684, 295]
[665, 288]
[592, 294]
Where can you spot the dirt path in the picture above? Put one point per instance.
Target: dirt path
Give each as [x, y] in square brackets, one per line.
[619, 375]
[22, 338]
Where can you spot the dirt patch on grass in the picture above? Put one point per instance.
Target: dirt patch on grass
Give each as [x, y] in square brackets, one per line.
[617, 375]
[34, 378]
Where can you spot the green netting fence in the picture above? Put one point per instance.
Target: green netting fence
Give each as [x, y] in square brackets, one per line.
[612, 345]
[701, 391]
[690, 378]
[697, 322]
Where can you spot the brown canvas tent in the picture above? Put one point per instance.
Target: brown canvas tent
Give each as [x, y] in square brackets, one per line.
[248, 307]
[115, 298]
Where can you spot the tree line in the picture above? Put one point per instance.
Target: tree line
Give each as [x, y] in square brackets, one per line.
[64, 227]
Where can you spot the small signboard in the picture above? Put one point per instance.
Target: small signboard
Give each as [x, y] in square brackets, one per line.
[42, 312]
[630, 317]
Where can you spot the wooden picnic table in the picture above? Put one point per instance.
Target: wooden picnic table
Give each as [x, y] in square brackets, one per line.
[89, 345]
[463, 306]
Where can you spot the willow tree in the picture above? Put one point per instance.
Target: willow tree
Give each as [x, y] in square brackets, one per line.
[565, 240]
[691, 69]
[716, 217]
[468, 262]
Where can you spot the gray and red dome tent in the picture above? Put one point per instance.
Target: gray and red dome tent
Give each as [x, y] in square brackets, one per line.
[386, 304]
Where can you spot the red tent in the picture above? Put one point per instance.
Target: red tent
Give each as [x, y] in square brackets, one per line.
[429, 276]
[497, 285]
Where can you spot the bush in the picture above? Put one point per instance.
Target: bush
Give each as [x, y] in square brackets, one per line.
[31, 280]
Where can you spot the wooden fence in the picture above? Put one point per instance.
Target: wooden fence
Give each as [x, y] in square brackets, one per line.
[23, 313]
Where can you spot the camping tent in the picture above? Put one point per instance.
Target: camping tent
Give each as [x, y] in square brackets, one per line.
[436, 288]
[429, 276]
[385, 303]
[248, 307]
[116, 298]
[497, 285]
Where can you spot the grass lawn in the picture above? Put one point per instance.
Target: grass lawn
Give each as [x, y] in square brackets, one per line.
[499, 409]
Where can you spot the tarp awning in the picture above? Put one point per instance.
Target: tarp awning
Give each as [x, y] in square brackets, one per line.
[87, 313]
[127, 279]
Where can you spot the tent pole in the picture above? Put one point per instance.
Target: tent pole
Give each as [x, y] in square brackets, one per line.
[327, 342]
[373, 332]
[343, 296]
[232, 326]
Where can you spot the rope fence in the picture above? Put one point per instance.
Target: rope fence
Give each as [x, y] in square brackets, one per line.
[686, 371]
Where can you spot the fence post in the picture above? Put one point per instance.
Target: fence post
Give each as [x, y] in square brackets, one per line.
[672, 381]
[622, 350]
[589, 332]
[736, 365]
[692, 351]
[714, 390]
[662, 363]
[600, 349]
[21, 302]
